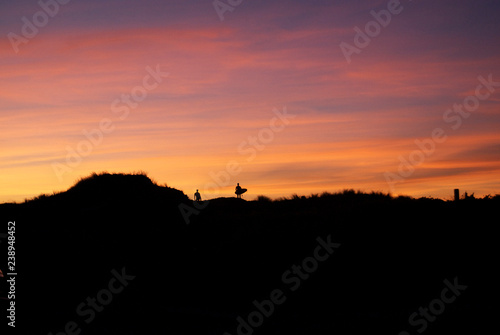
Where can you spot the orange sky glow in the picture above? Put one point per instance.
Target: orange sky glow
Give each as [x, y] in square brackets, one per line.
[265, 98]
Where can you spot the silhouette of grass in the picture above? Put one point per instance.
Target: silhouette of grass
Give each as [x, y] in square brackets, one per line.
[105, 187]
[263, 198]
[203, 275]
[139, 181]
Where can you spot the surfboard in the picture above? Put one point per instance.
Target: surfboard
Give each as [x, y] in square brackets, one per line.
[240, 191]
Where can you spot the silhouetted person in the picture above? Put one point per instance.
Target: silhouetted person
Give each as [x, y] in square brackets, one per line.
[197, 196]
[239, 191]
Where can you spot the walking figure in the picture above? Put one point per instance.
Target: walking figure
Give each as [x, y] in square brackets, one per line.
[197, 196]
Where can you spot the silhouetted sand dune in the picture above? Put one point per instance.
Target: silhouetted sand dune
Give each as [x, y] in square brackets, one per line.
[393, 257]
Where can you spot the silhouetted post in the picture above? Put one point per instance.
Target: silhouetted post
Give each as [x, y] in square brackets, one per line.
[457, 194]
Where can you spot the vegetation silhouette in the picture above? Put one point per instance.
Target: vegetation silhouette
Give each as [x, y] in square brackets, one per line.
[198, 278]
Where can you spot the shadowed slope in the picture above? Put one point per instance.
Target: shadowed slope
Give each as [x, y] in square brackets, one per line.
[198, 278]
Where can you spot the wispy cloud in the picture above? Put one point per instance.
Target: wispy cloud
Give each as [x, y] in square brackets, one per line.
[226, 77]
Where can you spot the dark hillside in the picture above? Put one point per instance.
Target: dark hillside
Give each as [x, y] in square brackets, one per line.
[394, 256]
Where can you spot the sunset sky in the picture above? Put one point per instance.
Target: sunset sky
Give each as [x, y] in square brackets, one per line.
[167, 87]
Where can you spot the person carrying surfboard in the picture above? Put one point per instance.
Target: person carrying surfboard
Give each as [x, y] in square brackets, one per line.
[239, 191]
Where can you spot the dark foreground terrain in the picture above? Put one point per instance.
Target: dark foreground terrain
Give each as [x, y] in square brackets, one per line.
[114, 255]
